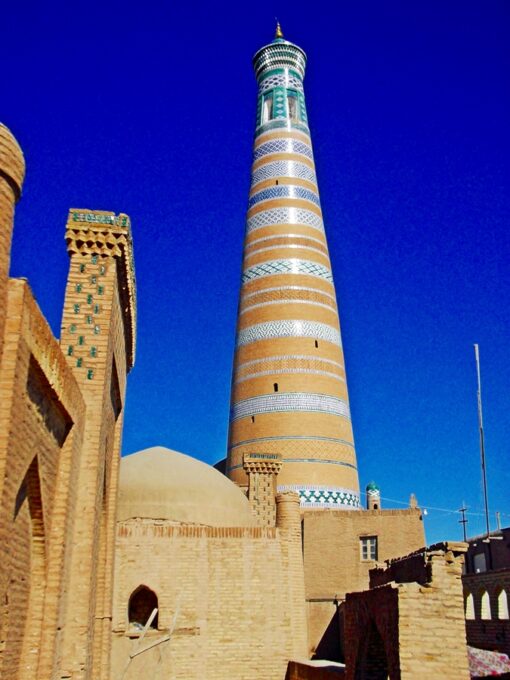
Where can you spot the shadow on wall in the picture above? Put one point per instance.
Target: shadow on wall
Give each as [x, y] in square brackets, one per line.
[330, 647]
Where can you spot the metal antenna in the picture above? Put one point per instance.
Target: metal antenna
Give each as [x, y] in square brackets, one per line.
[482, 443]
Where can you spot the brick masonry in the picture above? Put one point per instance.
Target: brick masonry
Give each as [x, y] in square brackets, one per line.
[41, 432]
[333, 559]
[61, 408]
[231, 599]
[410, 630]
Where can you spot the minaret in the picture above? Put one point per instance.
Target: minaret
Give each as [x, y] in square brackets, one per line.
[289, 393]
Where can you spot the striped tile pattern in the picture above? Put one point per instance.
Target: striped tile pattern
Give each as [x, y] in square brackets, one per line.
[286, 328]
[290, 266]
[289, 394]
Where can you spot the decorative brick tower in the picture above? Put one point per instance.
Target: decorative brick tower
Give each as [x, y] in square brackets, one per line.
[98, 339]
[289, 393]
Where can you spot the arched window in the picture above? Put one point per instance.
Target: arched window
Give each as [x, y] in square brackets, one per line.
[470, 607]
[141, 605]
[486, 605]
[502, 605]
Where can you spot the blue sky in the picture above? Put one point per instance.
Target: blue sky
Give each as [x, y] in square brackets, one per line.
[150, 110]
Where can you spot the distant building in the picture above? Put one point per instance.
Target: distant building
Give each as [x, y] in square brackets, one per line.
[486, 582]
[486, 555]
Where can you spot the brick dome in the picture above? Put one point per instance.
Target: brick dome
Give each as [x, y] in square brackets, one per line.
[12, 163]
[158, 483]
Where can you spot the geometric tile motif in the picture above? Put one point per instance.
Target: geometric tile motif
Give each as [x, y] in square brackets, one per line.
[289, 364]
[283, 169]
[284, 216]
[284, 191]
[283, 145]
[288, 328]
[290, 266]
[282, 80]
[286, 444]
[290, 402]
[283, 239]
[287, 371]
[282, 246]
[278, 292]
[281, 124]
[284, 301]
[324, 497]
[279, 102]
[283, 358]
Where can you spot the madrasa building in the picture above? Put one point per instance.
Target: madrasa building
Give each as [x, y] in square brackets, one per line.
[156, 564]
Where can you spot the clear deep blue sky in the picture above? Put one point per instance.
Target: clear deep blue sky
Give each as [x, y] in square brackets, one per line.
[148, 108]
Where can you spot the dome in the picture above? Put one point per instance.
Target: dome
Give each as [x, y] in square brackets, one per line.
[12, 163]
[372, 486]
[158, 483]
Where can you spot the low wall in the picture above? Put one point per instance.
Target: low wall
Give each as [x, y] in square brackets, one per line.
[304, 671]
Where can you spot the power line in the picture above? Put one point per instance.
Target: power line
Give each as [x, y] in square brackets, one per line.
[431, 507]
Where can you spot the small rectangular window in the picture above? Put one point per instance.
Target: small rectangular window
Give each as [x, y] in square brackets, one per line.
[90, 374]
[97, 309]
[368, 548]
[89, 299]
[78, 287]
[88, 319]
[267, 108]
[72, 328]
[76, 309]
[292, 103]
[100, 290]
[93, 352]
[93, 279]
[93, 259]
[97, 330]
[70, 351]
[79, 362]
[81, 340]
[102, 270]
[82, 268]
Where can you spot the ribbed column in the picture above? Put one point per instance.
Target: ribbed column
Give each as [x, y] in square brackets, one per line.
[289, 393]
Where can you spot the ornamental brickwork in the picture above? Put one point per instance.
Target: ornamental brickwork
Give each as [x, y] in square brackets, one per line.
[262, 471]
[61, 409]
[98, 339]
[289, 391]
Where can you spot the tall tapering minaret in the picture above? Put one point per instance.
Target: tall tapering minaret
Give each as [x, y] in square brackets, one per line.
[289, 394]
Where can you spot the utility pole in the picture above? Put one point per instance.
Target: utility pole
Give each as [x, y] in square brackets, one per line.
[463, 521]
